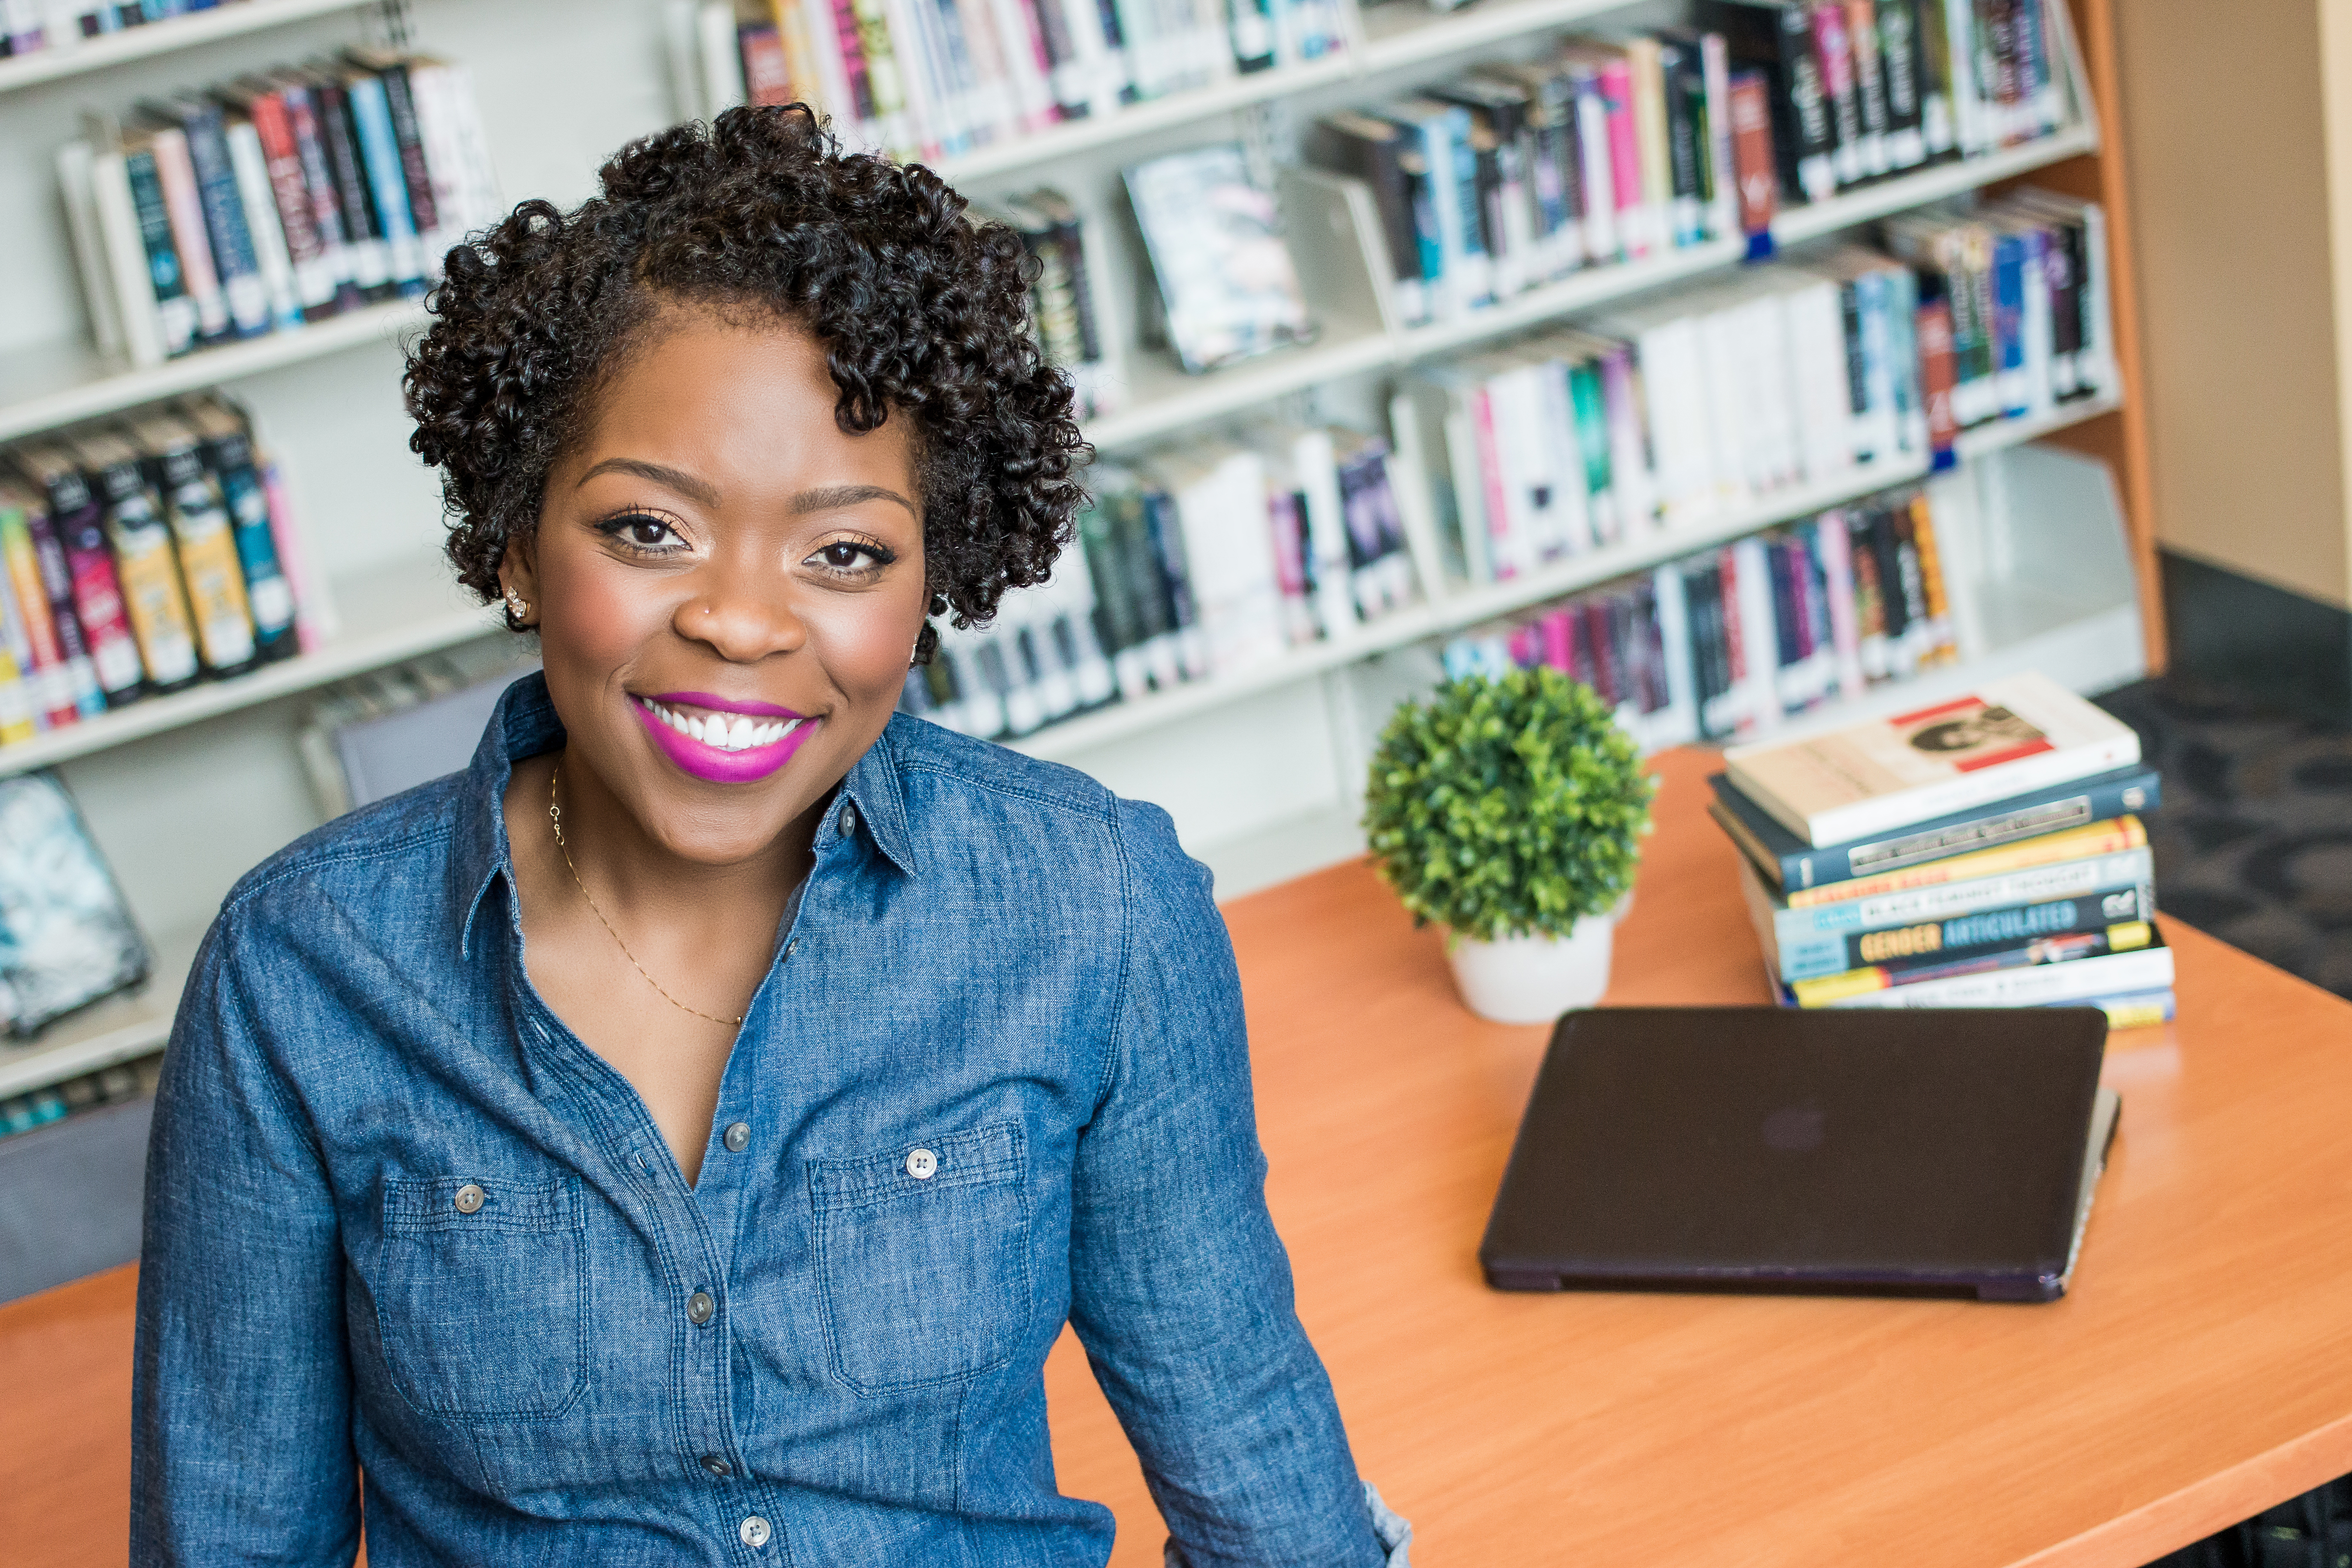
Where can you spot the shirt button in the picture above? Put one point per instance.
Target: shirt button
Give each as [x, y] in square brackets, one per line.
[470, 1198]
[848, 820]
[755, 1532]
[738, 1137]
[716, 1465]
[700, 1307]
[923, 1165]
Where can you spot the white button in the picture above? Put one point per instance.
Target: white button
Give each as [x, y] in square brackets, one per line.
[923, 1165]
[755, 1532]
[470, 1198]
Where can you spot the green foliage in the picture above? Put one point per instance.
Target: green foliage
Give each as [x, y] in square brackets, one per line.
[1506, 807]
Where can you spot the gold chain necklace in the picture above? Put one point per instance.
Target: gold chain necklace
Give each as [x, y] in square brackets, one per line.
[555, 818]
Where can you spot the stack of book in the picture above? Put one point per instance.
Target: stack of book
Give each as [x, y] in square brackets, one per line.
[141, 556]
[1201, 559]
[1734, 641]
[1986, 852]
[1628, 145]
[89, 1091]
[274, 201]
[933, 80]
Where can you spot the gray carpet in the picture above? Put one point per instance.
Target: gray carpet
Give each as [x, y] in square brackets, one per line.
[2254, 843]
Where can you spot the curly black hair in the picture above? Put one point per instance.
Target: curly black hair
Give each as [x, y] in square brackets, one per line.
[920, 311]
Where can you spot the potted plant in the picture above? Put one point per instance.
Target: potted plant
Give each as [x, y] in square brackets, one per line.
[1510, 812]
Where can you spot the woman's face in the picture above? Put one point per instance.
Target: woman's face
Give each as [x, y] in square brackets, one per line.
[727, 585]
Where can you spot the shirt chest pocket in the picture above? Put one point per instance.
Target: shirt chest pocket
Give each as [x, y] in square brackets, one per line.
[481, 1296]
[923, 1253]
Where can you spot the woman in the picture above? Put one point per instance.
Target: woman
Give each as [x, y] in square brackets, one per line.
[681, 1136]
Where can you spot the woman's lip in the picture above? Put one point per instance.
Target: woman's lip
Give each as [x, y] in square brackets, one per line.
[723, 704]
[715, 763]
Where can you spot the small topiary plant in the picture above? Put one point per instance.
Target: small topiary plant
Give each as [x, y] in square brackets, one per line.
[1506, 808]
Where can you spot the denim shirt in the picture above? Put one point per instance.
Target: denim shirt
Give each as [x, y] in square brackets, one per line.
[400, 1220]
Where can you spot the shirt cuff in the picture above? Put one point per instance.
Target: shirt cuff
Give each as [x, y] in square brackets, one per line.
[1394, 1530]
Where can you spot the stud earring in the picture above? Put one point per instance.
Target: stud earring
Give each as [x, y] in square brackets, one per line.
[516, 610]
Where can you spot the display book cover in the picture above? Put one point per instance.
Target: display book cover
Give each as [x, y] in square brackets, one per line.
[1753, 1150]
[66, 938]
[2025, 733]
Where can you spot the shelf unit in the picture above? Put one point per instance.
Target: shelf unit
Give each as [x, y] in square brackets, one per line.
[394, 614]
[187, 32]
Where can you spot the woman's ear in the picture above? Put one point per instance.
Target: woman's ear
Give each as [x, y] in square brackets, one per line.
[519, 583]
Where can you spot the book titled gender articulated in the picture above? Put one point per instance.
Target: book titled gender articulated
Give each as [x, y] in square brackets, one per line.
[2023, 733]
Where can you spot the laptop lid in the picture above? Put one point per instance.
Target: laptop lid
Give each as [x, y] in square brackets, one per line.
[1932, 1152]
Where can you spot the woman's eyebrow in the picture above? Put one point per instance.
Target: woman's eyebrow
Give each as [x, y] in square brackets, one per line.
[684, 484]
[830, 498]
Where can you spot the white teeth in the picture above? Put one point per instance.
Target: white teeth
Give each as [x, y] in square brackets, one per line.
[715, 729]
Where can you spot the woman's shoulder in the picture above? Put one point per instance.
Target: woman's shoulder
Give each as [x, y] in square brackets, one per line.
[979, 792]
[376, 852]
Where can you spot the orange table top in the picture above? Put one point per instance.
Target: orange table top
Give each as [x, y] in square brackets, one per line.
[2200, 1370]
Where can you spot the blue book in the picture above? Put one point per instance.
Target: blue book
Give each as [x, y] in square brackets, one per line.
[387, 182]
[233, 256]
[175, 310]
[1788, 862]
[2009, 324]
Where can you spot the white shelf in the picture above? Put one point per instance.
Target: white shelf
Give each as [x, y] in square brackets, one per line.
[389, 614]
[1469, 606]
[53, 384]
[228, 21]
[1162, 399]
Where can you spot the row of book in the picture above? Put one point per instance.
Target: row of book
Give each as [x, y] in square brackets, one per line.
[1204, 560]
[1988, 851]
[935, 79]
[1619, 147]
[274, 201]
[141, 556]
[36, 26]
[1062, 300]
[1696, 404]
[89, 1091]
[1734, 642]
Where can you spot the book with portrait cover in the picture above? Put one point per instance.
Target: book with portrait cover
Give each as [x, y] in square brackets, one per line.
[66, 938]
[2022, 733]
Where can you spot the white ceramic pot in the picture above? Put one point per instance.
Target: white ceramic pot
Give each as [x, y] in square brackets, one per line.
[1535, 979]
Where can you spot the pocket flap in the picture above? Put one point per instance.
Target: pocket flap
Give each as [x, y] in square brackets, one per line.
[984, 1154]
[414, 1204]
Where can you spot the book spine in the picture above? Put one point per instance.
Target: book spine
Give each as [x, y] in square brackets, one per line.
[51, 676]
[1900, 61]
[315, 623]
[239, 272]
[2105, 836]
[269, 597]
[1833, 52]
[2029, 985]
[208, 563]
[183, 205]
[1982, 945]
[270, 253]
[131, 266]
[76, 191]
[379, 151]
[2130, 872]
[1756, 182]
[1869, 84]
[416, 173]
[96, 591]
[22, 694]
[370, 249]
[1625, 159]
[57, 583]
[339, 255]
[314, 273]
[148, 569]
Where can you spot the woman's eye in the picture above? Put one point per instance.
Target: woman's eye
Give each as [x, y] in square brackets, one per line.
[645, 532]
[845, 556]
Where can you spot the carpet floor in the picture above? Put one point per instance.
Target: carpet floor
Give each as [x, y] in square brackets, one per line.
[2253, 841]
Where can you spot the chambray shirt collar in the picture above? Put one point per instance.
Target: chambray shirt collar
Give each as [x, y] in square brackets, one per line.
[524, 724]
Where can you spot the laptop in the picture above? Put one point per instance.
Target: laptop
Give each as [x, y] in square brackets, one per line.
[1899, 1152]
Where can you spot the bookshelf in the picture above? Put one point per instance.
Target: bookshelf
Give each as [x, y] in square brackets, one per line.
[186, 32]
[326, 394]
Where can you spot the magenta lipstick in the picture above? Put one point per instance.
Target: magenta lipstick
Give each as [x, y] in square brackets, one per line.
[722, 740]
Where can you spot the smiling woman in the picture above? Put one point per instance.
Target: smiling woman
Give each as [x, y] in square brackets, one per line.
[682, 1136]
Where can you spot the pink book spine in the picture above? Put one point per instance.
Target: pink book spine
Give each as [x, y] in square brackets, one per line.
[1837, 573]
[1527, 647]
[1625, 156]
[1500, 554]
[176, 172]
[314, 614]
[1734, 648]
[1560, 641]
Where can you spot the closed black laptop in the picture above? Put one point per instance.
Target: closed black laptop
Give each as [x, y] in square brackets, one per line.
[1910, 1151]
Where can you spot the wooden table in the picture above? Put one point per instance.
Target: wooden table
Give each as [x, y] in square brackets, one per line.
[2201, 1370]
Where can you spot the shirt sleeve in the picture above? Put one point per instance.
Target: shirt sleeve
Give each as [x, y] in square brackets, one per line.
[1180, 1292]
[241, 1447]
